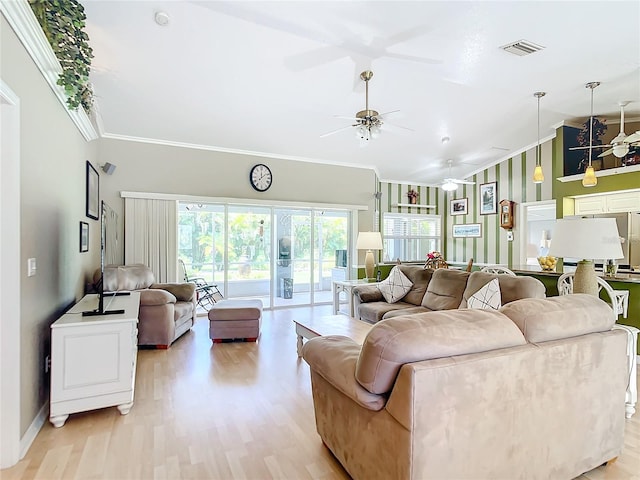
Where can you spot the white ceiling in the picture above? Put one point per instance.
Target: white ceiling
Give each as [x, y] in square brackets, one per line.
[270, 77]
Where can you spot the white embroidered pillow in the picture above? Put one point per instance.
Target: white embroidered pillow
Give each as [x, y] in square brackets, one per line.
[395, 286]
[488, 297]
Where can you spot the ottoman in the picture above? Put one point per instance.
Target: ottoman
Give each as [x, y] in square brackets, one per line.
[235, 318]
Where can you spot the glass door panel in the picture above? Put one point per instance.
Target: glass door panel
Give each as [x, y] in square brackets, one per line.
[292, 265]
[330, 253]
[249, 253]
[201, 241]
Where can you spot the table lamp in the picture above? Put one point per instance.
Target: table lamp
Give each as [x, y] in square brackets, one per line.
[586, 238]
[369, 241]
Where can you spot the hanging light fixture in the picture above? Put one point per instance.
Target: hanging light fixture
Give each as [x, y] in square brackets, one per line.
[590, 179]
[538, 176]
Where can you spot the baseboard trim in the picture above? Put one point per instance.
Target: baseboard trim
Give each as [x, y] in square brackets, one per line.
[32, 432]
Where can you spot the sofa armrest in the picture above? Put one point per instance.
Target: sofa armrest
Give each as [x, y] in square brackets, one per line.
[183, 292]
[367, 293]
[150, 297]
[334, 358]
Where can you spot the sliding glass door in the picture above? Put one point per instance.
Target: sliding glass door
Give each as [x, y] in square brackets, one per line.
[284, 256]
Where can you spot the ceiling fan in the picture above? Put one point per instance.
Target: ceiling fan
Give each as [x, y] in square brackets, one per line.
[367, 122]
[451, 184]
[621, 143]
[619, 146]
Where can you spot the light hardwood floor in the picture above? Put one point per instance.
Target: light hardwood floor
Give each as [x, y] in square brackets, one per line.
[231, 411]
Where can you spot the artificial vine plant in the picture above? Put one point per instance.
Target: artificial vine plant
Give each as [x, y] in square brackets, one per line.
[63, 23]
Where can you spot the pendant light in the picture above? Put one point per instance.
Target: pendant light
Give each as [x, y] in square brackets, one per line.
[590, 179]
[538, 176]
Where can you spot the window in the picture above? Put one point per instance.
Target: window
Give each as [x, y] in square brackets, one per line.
[410, 237]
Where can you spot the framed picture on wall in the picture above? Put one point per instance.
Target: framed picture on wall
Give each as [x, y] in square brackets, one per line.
[84, 237]
[488, 198]
[93, 192]
[467, 230]
[458, 206]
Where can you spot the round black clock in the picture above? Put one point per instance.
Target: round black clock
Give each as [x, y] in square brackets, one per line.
[260, 177]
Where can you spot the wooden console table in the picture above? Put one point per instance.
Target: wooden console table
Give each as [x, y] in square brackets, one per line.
[93, 358]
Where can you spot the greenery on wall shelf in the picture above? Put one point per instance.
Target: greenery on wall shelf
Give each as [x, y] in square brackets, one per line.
[63, 23]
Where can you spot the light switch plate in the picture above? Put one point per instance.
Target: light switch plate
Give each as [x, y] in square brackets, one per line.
[510, 236]
[31, 267]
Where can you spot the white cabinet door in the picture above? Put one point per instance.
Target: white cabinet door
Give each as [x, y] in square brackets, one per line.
[91, 360]
[590, 205]
[623, 202]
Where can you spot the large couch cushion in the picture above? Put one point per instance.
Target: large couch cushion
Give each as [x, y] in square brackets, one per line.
[374, 311]
[444, 291]
[396, 341]
[554, 318]
[126, 277]
[420, 278]
[182, 291]
[395, 286]
[511, 287]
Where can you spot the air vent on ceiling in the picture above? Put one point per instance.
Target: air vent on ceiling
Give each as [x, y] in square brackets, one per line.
[521, 47]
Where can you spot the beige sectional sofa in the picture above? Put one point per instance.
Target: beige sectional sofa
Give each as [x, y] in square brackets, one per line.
[441, 289]
[167, 310]
[534, 390]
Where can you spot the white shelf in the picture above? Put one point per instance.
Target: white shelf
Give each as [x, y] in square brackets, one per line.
[601, 173]
[412, 205]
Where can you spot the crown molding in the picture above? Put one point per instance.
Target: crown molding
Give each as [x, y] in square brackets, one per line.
[25, 24]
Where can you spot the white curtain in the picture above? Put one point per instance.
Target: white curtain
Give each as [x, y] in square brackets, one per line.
[151, 236]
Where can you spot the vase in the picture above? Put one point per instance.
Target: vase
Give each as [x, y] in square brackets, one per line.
[413, 200]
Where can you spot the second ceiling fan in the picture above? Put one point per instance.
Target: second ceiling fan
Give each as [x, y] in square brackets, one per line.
[450, 184]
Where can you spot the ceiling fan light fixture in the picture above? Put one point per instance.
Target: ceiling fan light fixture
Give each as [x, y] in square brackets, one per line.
[589, 179]
[620, 150]
[449, 186]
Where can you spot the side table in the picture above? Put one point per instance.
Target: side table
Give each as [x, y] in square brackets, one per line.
[347, 287]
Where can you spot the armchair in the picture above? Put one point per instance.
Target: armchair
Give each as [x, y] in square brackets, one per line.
[167, 310]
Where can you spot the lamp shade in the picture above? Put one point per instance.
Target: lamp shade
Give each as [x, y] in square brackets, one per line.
[369, 241]
[586, 238]
[589, 179]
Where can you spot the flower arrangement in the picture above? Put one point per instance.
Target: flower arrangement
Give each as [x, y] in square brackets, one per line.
[435, 260]
[412, 195]
[434, 255]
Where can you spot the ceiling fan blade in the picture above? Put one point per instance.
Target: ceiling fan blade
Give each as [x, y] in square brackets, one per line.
[344, 117]
[335, 131]
[634, 137]
[463, 182]
[605, 153]
[592, 146]
[388, 113]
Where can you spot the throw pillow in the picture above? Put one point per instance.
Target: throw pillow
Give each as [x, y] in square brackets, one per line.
[488, 297]
[395, 286]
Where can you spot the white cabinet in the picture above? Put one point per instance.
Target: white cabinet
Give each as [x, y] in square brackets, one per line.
[623, 202]
[590, 205]
[93, 358]
[614, 203]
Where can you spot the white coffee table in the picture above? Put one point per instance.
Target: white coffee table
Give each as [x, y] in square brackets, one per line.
[331, 325]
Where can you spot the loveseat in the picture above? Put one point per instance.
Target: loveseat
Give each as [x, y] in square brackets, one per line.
[534, 390]
[440, 289]
[167, 310]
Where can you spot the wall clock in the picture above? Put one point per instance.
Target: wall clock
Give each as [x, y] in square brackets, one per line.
[260, 177]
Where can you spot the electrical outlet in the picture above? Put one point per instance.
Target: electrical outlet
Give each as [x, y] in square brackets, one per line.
[47, 364]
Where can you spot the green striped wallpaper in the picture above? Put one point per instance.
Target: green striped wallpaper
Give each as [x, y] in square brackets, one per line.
[514, 182]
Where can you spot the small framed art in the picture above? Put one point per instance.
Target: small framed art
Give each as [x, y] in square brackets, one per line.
[459, 206]
[93, 192]
[488, 198]
[467, 230]
[84, 237]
